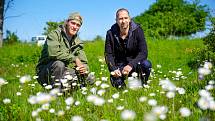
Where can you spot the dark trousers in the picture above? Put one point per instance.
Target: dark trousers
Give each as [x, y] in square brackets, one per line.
[143, 69]
[48, 74]
[56, 70]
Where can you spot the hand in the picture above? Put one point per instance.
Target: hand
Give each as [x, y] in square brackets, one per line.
[80, 67]
[126, 70]
[116, 73]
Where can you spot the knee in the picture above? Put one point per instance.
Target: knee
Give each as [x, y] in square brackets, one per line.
[146, 64]
[58, 65]
[117, 82]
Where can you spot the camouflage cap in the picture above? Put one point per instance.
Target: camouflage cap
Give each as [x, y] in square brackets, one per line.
[76, 17]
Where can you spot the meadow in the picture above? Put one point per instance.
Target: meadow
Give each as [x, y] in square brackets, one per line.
[172, 93]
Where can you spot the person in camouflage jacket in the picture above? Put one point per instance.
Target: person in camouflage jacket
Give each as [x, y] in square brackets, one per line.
[62, 53]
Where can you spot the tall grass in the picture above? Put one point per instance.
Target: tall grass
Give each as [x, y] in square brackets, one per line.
[20, 59]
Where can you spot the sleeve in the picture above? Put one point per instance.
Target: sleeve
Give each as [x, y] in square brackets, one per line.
[142, 49]
[79, 52]
[55, 50]
[109, 52]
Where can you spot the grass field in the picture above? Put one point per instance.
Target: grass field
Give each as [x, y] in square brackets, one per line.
[102, 102]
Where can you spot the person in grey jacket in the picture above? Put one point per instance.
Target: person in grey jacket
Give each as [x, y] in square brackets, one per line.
[126, 50]
[62, 53]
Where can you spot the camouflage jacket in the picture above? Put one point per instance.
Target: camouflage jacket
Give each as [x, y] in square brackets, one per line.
[58, 47]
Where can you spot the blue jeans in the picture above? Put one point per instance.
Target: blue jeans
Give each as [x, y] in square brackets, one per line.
[143, 69]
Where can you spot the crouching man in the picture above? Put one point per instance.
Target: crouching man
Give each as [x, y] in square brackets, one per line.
[63, 54]
[126, 50]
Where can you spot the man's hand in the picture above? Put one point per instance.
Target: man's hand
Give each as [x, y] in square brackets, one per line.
[116, 73]
[126, 70]
[80, 66]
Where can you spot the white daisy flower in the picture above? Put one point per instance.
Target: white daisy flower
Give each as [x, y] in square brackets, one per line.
[128, 115]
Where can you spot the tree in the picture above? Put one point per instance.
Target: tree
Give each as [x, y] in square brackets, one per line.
[51, 26]
[1, 20]
[4, 6]
[173, 18]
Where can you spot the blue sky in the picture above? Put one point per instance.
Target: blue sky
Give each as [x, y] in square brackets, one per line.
[98, 15]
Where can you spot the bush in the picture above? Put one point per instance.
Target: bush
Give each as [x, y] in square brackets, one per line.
[207, 53]
[11, 37]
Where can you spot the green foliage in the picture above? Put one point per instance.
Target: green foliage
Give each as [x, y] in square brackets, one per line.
[11, 37]
[209, 40]
[173, 17]
[170, 54]
[207, 53]
[50, 26]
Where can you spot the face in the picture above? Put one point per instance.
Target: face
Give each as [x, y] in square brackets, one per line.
[123, 20]
[72, 27]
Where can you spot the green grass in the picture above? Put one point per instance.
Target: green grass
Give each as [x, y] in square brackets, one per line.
[20, 59]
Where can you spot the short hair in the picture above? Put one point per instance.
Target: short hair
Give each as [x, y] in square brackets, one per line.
[121, 9]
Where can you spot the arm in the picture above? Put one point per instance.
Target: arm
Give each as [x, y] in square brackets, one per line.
[142, 49]
[109, 52]
[81, 59]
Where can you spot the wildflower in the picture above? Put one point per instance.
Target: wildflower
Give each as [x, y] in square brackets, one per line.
[204, 71]
[69, 101]
[91, 98]
[6, 101]
[77, 118]
[204, 93]
[18, 93]
[134, 83]
[208, 65]
[98, 83]
[77, 103]
[160, 111]
[101, 92]
[120, 107]
[209, 87]
[170, 94]
[110, 100]
[115, 96]
[142, 99]
[181, 90]
[60, 113]
[68, 107]
[104, 78]
[54, 91]
[34, 113]
[104, 85]
[211, 82]
[41, 98]
[25, 79]
[128, 115]
[93, 90]
[212, 105]
[185, 112]
[152, 94]
[125, 91]
[45, 106]
[158, 66]
[35, 77]
[52, 110]
[134, 74]
[99, 101]
[68, 77]
[167, 85]
[150, 117]
[203, 103]
[2, 82]
[48, 87]
[152, 102]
